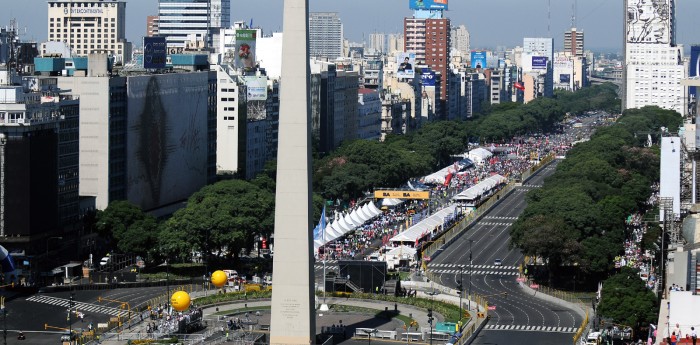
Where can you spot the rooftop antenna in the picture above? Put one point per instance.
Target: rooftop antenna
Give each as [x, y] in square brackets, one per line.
[549, 18]
[573, 14]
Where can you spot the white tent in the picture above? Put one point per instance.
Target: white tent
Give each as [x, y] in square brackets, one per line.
[440, 176]
[342, 225]
[391, 202]
[426, 225]
[480, 189]
[479, 155]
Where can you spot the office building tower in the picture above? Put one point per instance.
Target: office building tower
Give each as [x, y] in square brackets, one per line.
[394, 43]
[653, 66]
[89, 26]
[325, 35]
[152, 26]
[429, 39]
[38, 159]
[460, 40]
[538, 70]
[377, 42]
[573, 42]
[181, 21]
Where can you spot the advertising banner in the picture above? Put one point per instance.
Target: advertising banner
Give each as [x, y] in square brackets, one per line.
[405, 61]
[649, 21]
[257, 88]
[428, 4]
[694, 68]
[478, 59]
[401, 194]
[565, 78]
[539, 62]
[154, 52]
[245, 49]
[428, 78]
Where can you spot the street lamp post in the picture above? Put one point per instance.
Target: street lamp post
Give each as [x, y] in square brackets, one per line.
[4, 319]
[470, 273]
[70, 318]
[460, 287]
[430, 322]
[369, 333]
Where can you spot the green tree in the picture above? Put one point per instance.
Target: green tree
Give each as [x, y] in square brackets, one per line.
[550, 239]
[222, 218]
[627, 301]
[132, 230]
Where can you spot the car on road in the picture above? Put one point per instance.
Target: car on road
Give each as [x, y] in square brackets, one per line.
[104, 261]
[498, 262]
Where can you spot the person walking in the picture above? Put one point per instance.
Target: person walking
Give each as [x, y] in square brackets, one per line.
[674, 339]
[693, 335]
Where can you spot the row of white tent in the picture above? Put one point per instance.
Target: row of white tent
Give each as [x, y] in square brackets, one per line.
[440, 176]
[351, 221]
[480, 189]
[423, 227]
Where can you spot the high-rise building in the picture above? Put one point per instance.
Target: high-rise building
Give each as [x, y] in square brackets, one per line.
[201, 20]
[653, 66]
[152, 26]
[394, 43]
[429, 39]
[377, 42]
[573, 42]
[325, 35]
[38, 159]
[460, 40]
[537, 62]
[89, 26]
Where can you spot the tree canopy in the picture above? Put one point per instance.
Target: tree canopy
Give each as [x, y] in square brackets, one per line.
[627, 301]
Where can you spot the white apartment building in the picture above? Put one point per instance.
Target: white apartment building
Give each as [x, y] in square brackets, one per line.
[180, 20]
[325, 35]
[89, 27]
[460, 40]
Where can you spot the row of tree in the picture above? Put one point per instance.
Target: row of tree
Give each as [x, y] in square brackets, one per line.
[228, 216]
[578, 217]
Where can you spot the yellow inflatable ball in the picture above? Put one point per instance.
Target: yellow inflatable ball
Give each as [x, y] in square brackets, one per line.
[180, 300]
[218, 278]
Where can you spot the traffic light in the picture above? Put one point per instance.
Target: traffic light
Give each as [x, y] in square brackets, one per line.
[430, 313]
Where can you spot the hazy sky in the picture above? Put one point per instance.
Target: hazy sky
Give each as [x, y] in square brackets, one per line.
[491, 22]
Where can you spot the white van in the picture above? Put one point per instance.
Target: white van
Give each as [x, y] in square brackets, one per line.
[593, 338]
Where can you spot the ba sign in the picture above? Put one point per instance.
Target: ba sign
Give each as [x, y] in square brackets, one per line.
[154, 52]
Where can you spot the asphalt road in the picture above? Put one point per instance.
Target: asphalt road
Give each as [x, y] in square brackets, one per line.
[30, 314]
[517, 313]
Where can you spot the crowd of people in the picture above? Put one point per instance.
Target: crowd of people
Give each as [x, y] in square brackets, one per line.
[633, 256]
[509, 160]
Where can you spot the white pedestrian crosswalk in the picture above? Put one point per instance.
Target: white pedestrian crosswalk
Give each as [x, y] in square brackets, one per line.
[494, 224]
[475, 267]
[476, 273]
[525, 328]
[503, 218]
[79, 306]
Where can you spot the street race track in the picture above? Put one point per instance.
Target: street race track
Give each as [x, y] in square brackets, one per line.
[518, 314]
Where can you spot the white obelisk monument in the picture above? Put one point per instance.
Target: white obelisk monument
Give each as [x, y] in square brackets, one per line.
[293, 319]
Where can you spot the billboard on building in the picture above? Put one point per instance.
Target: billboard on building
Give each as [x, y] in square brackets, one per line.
[154, 52]
[478, 59]
[405, 61]
[428, 4]
[694, 68]
[245, 49]
[428, 78]
[166, 137]
[648, 21]
[257, 88]
[565, 78]
[539, 62]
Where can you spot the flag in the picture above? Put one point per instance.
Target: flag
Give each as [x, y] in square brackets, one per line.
[8, 265]
[251, 23]
[519, 86]
[320, 229]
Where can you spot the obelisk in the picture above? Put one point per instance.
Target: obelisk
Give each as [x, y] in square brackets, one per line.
[293, 319]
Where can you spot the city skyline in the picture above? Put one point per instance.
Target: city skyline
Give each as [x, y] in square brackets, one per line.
[600, 20]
